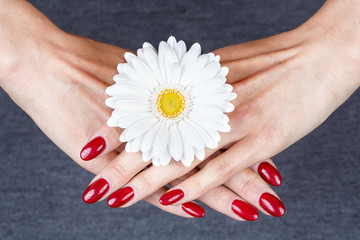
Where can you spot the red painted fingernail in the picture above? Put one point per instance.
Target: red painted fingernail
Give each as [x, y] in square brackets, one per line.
[93, 149]
[95, 191]
[272, 205]
[171, 197]
[120, 197]
[244, 210]
[270, 174]
[193, 209]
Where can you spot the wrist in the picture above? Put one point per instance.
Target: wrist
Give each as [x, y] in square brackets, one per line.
[335, 29]
[25, 32]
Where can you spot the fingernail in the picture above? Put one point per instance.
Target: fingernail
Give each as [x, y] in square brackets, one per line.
[272, 205]
[270, 174]
[120, 197]
[171, 197]
[244, 210]
[95, 191]
[93, 149]
[193, 209]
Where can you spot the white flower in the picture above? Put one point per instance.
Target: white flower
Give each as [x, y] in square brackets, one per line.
[170, 103]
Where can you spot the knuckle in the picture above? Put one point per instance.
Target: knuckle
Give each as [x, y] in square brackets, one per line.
[118, 171]
[271, 133]
[248, 183]
[198, 187]
[243, 111]
[216, 195]
[146, 181]
[222, 169]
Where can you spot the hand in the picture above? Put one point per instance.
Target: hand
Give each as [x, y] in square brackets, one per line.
[287, 85]
[60, 79]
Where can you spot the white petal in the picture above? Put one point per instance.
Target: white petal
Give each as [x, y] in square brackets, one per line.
[129, 57]
[151, 59]
[176, 74]
[175, 144]
[223, 71]
[167, 59]
[188, 151]
[147, 45]
[224, 128]
[212, 85]
[172, 41]
[190, 136]
[156, 161]
[200, 154]
[146, 156]
[208, 141]
[144, 72]
[137, 129]
[188, 63]
[213, 99]
[233, 96]
[180, 50]
[149, 137]
[228, 107]
[161, 141]
[211, 57]
[135, 76]
[112, 122]
[137, 144]
[209, 126]
[128, 146]
[126, 120]
[112, 101]
[133, 106]
[119, 89]
[165, 158]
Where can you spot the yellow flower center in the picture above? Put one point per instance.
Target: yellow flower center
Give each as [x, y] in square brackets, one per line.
[170, 103]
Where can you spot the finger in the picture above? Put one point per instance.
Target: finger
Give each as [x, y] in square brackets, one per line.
[121, 197]
[226, 202]
[257, 47]
[216, 172]
[244, 68]
[251, 187]
[268, 171]
[105, 140]
[119, 171]
[187, 210]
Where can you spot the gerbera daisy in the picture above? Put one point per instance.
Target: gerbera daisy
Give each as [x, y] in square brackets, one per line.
[171, 103]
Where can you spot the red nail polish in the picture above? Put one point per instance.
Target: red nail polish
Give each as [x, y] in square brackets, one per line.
[272, 205]
[244, 210]
[93, 149]
[270, 174]
[120, 197]
[171, 197]
[95, 191]
[193, 209]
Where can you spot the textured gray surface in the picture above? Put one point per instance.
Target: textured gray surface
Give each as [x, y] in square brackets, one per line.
[41, 187]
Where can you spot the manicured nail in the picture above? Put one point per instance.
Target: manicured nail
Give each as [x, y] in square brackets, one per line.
[171, 197]
[120, 197]
[193, 209]
[272, 205]
[270, 174]
[95, 191]
[93, 149]
[244, 210]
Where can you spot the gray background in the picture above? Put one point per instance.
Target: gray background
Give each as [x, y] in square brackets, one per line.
[41, 187]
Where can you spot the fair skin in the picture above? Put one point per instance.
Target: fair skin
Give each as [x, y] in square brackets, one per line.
[59, 80]
[287, 85]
